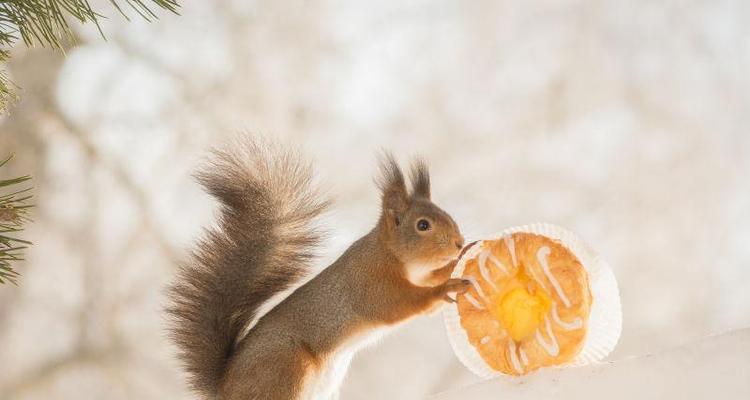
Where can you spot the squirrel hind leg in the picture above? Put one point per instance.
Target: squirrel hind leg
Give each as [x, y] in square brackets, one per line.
[277, 375]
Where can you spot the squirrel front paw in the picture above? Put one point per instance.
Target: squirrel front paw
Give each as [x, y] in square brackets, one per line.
[457, 286]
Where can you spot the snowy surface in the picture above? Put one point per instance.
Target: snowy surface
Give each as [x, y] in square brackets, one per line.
[716, 367]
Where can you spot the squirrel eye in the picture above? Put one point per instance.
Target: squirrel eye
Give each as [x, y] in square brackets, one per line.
[423, 225]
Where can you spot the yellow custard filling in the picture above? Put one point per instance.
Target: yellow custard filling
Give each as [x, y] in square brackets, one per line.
[521, 306]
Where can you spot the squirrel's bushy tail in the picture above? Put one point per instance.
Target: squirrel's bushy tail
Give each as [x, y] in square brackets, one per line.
[264, 241]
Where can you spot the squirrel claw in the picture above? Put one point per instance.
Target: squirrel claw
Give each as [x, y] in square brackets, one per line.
[466, 248]
[457, 286]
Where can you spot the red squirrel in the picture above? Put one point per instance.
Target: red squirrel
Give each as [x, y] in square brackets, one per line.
[265, 241]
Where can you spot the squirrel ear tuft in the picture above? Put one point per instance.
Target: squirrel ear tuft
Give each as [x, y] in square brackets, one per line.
[420, 178]
[392, 187]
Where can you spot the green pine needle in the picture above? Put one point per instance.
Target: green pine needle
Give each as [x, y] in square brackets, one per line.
[44, 23]
[14, 213]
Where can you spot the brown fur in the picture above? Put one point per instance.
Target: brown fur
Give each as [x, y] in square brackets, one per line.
[263, 243]
[259, 250]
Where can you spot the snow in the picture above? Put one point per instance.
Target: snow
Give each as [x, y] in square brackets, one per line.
[706, 369]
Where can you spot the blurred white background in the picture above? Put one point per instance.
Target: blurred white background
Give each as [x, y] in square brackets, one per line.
[626, 122]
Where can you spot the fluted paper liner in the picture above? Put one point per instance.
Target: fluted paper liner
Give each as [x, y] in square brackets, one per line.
[605, 318]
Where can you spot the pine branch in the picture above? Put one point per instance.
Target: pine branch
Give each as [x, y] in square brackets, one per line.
[44, 23]
[13, 214]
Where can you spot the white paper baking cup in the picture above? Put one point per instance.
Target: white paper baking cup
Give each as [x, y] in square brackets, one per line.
[605, 318]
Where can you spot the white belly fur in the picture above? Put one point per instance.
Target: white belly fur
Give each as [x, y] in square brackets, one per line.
[326, 385]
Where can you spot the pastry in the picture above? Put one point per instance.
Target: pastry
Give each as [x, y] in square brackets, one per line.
[529, 303]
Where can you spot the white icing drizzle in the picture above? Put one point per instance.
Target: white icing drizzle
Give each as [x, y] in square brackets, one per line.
[553, 349]
[487, 254]
[473, 301]
[483, 270]
[524, 359]
[478, 288]
[533, 273]
[508, 239]
[568, 326]
[514, 356]
[484, 340]
[541, 256]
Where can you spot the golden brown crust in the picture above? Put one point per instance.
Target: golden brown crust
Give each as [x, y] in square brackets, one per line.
[565, 311]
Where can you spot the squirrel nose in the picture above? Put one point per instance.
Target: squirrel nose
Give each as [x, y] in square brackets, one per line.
[460, 243]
